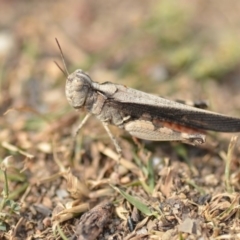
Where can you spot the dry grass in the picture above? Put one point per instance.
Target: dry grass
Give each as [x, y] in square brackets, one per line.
[54, 188]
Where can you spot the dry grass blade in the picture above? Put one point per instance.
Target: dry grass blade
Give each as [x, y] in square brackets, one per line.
[63, 214]
[13, 148]
[167, 185]
[223, 207]
[105, 192]
[111, 154]
[77, 189]
[230, 156]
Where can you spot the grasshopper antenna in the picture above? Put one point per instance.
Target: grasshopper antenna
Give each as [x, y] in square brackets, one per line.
[66, 73]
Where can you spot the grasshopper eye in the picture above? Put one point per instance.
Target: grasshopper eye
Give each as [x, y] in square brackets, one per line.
[79, 95]
[81, 89]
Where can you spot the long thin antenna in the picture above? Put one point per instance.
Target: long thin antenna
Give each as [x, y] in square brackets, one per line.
[64, 63]
[64, 72]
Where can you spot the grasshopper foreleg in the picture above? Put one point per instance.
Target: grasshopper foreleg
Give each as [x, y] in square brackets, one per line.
[81, 124]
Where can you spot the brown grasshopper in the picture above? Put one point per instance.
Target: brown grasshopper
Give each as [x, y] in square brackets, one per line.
[143, 115]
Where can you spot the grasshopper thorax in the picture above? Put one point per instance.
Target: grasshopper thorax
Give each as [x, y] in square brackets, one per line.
[78, 86]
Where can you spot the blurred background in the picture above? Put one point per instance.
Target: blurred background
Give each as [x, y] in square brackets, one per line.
[181, 49]
[178, 49]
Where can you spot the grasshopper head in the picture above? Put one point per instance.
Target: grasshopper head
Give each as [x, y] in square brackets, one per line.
[78, 85]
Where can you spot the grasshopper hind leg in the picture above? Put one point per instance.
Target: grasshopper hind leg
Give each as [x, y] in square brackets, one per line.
[157, 131]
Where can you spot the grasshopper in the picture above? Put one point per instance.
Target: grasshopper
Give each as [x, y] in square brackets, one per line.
[143, 115]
